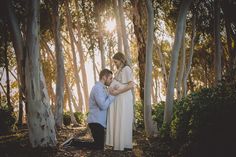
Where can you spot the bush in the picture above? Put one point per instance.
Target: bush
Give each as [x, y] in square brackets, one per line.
[79, 117]
[139, 114]
[203, 122]
[7, 120]
[66, 118]
[158, 113]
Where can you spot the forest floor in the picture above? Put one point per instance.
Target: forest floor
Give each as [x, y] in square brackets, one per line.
[17, 145]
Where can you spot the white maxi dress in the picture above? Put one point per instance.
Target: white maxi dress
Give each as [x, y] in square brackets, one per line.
[120, 114]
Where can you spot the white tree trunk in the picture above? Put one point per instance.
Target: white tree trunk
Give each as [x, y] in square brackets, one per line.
[123, 30]
[149, 124]
[75, 69]
[218, 50]
[72, 116]
[118, 25]
[188, 68]
[174, 59]
[60, 67]
[40, 118]
[100, 32]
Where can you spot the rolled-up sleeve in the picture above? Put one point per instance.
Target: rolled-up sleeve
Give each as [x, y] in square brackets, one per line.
[103, 100]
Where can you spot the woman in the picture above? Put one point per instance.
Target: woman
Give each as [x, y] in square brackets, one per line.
[120, 113]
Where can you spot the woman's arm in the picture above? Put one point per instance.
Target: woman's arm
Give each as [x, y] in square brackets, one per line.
[120, 90]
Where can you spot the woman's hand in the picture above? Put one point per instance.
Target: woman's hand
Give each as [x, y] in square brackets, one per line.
[113, 91]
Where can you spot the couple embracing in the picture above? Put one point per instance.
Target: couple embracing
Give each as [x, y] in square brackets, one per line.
[111, 108]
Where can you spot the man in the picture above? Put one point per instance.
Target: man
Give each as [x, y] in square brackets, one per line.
[99, 101]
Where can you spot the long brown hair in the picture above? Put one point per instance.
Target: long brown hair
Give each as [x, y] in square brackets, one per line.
[121, 57]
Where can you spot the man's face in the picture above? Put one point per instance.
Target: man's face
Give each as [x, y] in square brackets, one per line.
[108, 80]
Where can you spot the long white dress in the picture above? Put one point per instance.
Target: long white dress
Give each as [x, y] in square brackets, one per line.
[120, 114]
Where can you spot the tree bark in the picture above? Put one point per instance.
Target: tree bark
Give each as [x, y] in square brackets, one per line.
[76, 72]
[18, 44]
[10, 107]
[82, 62]
[163, 66]
[118, 25]
[98, 9]
[40, 118]
[174, 60]
[218, 50]
[139, 31]
[149, 123]
[72, 116]
[60, 66]
[188, 68]
[181, 68]
[123, 30]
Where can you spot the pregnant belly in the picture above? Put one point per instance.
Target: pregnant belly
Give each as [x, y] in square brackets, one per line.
[116, 83]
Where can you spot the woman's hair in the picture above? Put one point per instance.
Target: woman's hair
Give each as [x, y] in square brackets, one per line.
[121, 57]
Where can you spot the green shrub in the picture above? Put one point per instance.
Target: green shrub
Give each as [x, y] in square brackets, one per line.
[139, 119]
[158, 113]
[66, 118]
[7, 120]
[203, 122]
[79, 117]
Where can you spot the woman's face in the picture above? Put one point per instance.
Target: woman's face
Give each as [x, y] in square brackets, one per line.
[118, 63]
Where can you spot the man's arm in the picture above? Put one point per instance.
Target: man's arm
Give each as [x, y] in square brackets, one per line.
[102, 99]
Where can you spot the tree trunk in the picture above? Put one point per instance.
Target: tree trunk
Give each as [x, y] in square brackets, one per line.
[40, 118]
[7, 74]
[72, 116]
[181, 68]
[123, 30]
[18, 44]
[149, 123]
[218, 50]
[139, 31]
[98, 9]
[163, 66]
[188, 68]
[118, 25]
[153, 89]
[60, 66]
[174, 59]
[82, 63]
[20, 113]
[76, 72]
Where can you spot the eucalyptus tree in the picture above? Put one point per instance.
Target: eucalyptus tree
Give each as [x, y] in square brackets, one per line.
[40, 118]
[71, 36]
[174, 59]
[82, 59]
[123, 30]
[60, 63]
[99, 7]
[118, 25]
[218, 47]
[4, 48]
[228, 7]
[181, 67]
[149, 124]
[140, 24]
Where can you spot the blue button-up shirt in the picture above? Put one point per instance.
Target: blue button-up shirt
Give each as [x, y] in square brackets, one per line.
[99, 101]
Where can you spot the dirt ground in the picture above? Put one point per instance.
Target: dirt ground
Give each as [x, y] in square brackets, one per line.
[17, 145]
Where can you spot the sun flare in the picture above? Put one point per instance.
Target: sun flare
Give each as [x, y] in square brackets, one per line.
[110, 25]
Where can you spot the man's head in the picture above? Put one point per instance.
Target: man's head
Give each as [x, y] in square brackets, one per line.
[105, 76]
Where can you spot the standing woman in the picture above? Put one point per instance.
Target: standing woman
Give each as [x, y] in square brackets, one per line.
[120, 114]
